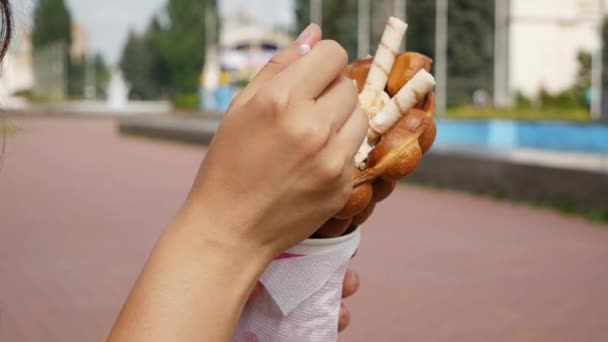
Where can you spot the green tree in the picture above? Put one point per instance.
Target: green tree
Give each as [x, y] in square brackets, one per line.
[339, 22]
[159, 71]
[183, 43]
[470, 43]
[144, 64]
[102, 75]
[52, 23]
[136, 66]
[76, 74]
[470, 36]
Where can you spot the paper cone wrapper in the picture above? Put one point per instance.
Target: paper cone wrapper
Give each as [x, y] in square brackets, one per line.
[302, 294]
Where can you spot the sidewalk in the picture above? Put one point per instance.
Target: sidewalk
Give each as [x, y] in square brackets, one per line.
[521, 174]
[81, 206]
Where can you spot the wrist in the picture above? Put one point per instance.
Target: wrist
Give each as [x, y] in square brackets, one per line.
[195, 283]
[206, 231]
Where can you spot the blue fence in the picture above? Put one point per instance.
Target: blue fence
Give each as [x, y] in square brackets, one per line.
[500, 134]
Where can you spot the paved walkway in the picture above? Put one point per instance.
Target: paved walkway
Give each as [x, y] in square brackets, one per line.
[80, 208]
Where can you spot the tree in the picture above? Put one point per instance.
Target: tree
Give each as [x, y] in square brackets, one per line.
[144, 65]
[470, 43]
[183, 43]
[76, 74]
[167, 60]
[339, 22]
[470, 36]
[52, 23]
[102, 75]
[136, 66]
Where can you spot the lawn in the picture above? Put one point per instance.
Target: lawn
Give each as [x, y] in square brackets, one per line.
[6, 128]
[599, 215]
[527, 113]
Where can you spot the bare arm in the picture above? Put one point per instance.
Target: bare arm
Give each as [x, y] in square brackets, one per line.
[253, 198]
[192, 289]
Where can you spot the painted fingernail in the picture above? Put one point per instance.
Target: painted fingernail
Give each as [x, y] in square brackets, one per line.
[304, 49]
[305, 35]
[305, 39]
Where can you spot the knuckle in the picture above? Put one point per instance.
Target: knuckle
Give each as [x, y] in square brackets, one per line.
[331, 171]
[272, 99]
[309, 138]
[337, 52]
[348, 92]
[345, 194]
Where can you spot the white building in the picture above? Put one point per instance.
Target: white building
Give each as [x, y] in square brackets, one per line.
[17, 67]
[545, 37]
[246, 46]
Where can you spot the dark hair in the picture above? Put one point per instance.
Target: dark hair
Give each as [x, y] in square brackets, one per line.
[6, 32]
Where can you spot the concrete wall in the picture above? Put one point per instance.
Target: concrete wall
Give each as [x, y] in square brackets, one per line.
[580, 189]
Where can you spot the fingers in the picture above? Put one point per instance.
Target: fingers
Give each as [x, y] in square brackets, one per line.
[340, 99]
[308, 39]
[257, 291]
[350, 284]
[353, 133]
[349, 287]
[308, 77]
[344, 320]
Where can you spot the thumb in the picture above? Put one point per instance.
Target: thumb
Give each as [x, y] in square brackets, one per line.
[307, 39]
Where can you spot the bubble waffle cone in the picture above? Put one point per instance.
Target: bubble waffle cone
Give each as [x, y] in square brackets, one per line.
[303, 286]
[402, 130]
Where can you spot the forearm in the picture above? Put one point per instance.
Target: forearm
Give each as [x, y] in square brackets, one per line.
[191, 289]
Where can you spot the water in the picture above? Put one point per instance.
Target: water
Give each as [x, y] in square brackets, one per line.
[546, 135]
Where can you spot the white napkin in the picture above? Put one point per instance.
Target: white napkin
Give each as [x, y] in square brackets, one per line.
[303, 293]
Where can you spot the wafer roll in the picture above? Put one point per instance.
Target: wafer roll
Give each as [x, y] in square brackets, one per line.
[383, 62]
[407, 98]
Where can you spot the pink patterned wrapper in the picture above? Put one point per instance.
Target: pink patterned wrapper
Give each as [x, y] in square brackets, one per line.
[302, 294]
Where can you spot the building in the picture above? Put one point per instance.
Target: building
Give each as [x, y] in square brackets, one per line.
[17, 67]
[545, 37]
[246, 46]
[80, 42]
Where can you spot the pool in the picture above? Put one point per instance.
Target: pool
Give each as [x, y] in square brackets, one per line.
[544, 135]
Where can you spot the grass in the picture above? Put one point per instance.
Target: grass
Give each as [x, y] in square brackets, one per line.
[568, 209]
[7, 128]
[526, 113]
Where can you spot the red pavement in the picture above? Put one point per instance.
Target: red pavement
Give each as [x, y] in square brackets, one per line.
[80, 207]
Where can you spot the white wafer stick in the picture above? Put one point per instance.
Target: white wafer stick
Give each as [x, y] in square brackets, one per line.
[362, 154]
[386, 54]
[383, 63]
[410, 95]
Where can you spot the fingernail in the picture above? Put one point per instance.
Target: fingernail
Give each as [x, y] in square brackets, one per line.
[306, 35]
[304, 49]
[349, 274]
[356, 276]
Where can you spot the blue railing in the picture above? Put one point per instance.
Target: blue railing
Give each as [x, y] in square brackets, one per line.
[501, 134]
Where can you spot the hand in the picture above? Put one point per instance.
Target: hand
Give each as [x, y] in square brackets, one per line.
[349, 288]
[282, 161]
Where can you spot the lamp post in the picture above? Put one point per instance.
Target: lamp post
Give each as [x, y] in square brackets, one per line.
[401, 12]
[363, 28]
[597, 67]
[441, 55]
[502, 96]
[316, 12]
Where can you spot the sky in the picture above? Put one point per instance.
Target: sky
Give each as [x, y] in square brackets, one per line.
[107, 22]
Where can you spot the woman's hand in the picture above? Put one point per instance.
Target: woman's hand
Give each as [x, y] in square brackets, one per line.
[349, 287]
[280, 166]
[282, 162]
